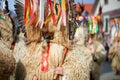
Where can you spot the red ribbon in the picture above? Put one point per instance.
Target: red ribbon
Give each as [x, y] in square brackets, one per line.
[65, 50]
[51, 9]
[27, 2]
[12, 46]
[45, 63]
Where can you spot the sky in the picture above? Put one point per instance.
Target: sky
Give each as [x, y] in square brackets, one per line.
[84, 1]
[11, 4]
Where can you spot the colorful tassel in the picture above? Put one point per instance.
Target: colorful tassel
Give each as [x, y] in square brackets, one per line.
[2, 17]
[119, 29]
[52, 11]
[63, 5]
[90, 24]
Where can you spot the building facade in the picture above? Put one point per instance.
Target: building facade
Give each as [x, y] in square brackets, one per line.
[110, 16]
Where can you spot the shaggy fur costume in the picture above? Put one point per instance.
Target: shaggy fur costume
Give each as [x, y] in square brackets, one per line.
[75, 65]
[7, 61]
[114, 54]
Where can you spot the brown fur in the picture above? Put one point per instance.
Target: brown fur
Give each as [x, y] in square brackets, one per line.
[7, 61]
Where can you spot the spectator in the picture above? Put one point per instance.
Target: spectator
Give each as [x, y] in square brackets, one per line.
[107, 51]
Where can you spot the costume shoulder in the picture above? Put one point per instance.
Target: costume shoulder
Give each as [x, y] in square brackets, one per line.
[112, 51]
[100, 52]
[99, 46]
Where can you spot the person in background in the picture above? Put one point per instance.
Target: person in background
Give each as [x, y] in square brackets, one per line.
[98, 53]
[107, 51]
[114, 54]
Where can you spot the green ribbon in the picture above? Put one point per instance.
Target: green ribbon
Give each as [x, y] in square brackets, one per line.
[60, 1]
[96, 29]
[2, 18]
[90, 24]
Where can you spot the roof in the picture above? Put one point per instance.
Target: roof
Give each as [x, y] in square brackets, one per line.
[88, 8]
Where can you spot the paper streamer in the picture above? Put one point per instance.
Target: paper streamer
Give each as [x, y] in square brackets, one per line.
[90, 24]
[51, 9]
[119, 29]
[42, 4]
[63, 12]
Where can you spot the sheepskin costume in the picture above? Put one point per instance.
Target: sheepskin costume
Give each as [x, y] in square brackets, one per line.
[79, 42]
[114, 54]
[7, 61]
[29, 61]
[98, 54]
[74, 67]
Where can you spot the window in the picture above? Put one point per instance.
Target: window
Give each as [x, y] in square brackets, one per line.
[106, 1]
[106, 24]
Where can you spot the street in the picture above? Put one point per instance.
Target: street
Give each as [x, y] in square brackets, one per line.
[107, 73]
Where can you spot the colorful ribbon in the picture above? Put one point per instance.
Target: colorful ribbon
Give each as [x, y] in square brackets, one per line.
[44, 60]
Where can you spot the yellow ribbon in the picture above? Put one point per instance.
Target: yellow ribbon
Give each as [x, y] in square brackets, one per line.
[48, 18]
